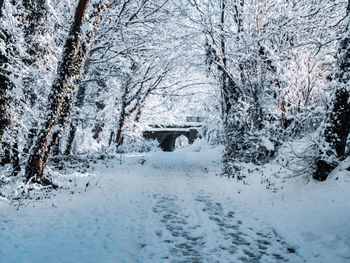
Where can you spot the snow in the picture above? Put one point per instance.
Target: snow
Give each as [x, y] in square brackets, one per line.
[169, 129]
[48, 5]
[172, 207]
[267, 144]
[87, 28]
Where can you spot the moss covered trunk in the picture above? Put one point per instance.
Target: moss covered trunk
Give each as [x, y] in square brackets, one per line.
[73, 59]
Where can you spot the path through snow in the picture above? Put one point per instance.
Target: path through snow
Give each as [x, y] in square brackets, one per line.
[170, 209]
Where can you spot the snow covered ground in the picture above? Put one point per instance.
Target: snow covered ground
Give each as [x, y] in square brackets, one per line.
[171, 207]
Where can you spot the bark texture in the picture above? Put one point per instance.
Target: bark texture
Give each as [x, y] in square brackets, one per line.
[6, 86]
[74, 56]
[79, 102]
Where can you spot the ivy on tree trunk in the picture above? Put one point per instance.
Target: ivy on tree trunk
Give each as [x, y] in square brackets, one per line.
[73, 59]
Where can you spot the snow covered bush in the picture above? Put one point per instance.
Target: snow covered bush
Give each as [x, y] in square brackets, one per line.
[138, 144]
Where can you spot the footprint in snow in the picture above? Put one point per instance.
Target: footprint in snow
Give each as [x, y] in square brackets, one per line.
[261, 246]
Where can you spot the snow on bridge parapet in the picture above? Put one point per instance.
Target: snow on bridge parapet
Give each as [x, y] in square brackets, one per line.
[171, 129]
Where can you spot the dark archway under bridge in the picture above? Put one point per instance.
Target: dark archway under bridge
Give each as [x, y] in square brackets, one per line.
[167, 135]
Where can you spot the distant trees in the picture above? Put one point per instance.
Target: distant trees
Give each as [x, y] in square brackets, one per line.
[270, 65]
[124, 69]
[237, 51]
[135, 92]
[270, 61]
[37, 103]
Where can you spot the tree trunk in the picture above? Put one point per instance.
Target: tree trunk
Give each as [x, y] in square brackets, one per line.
[31, 137]
[230, 92]
[225, 89]
[120, 127]
[5, 87]
[15, 157]
[230, 95]
[122, 114]
[80, 97]
[2, 2]
[111, 136]
[73, 59]
[71, 137]
[121, 121]
[337, 124]
[61, 124]
[99, 106]
[5, 154]
[337, 132]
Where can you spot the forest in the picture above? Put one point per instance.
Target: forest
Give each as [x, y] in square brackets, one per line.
[82, 80]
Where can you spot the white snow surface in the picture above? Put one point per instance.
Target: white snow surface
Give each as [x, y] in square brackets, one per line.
[172, 207]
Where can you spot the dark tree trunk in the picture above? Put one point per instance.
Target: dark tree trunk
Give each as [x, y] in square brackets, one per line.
[258, 113]
[54, 147]
[30, 139]
[15, 158]
[62, 122]
[337, 132]
[122, 114]
[120, 126]
[99, 106]
[71, 137]
[337, 124]
[283, 114]
[80, 97]
[2, 2]
[111, 136]
[322, 171]
[121, 122]
[229, 94]
[5, 154]
[138, 108]
[226, 105]
[73, 59]
[5, 87]
[138, 114]
[98, 130]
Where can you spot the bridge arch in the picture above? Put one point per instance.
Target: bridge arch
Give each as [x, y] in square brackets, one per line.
[166, 136]
[168, 143]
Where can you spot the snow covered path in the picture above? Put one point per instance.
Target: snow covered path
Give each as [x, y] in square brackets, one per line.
[169, 209]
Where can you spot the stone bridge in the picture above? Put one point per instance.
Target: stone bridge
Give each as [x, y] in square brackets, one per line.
[166, 135]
